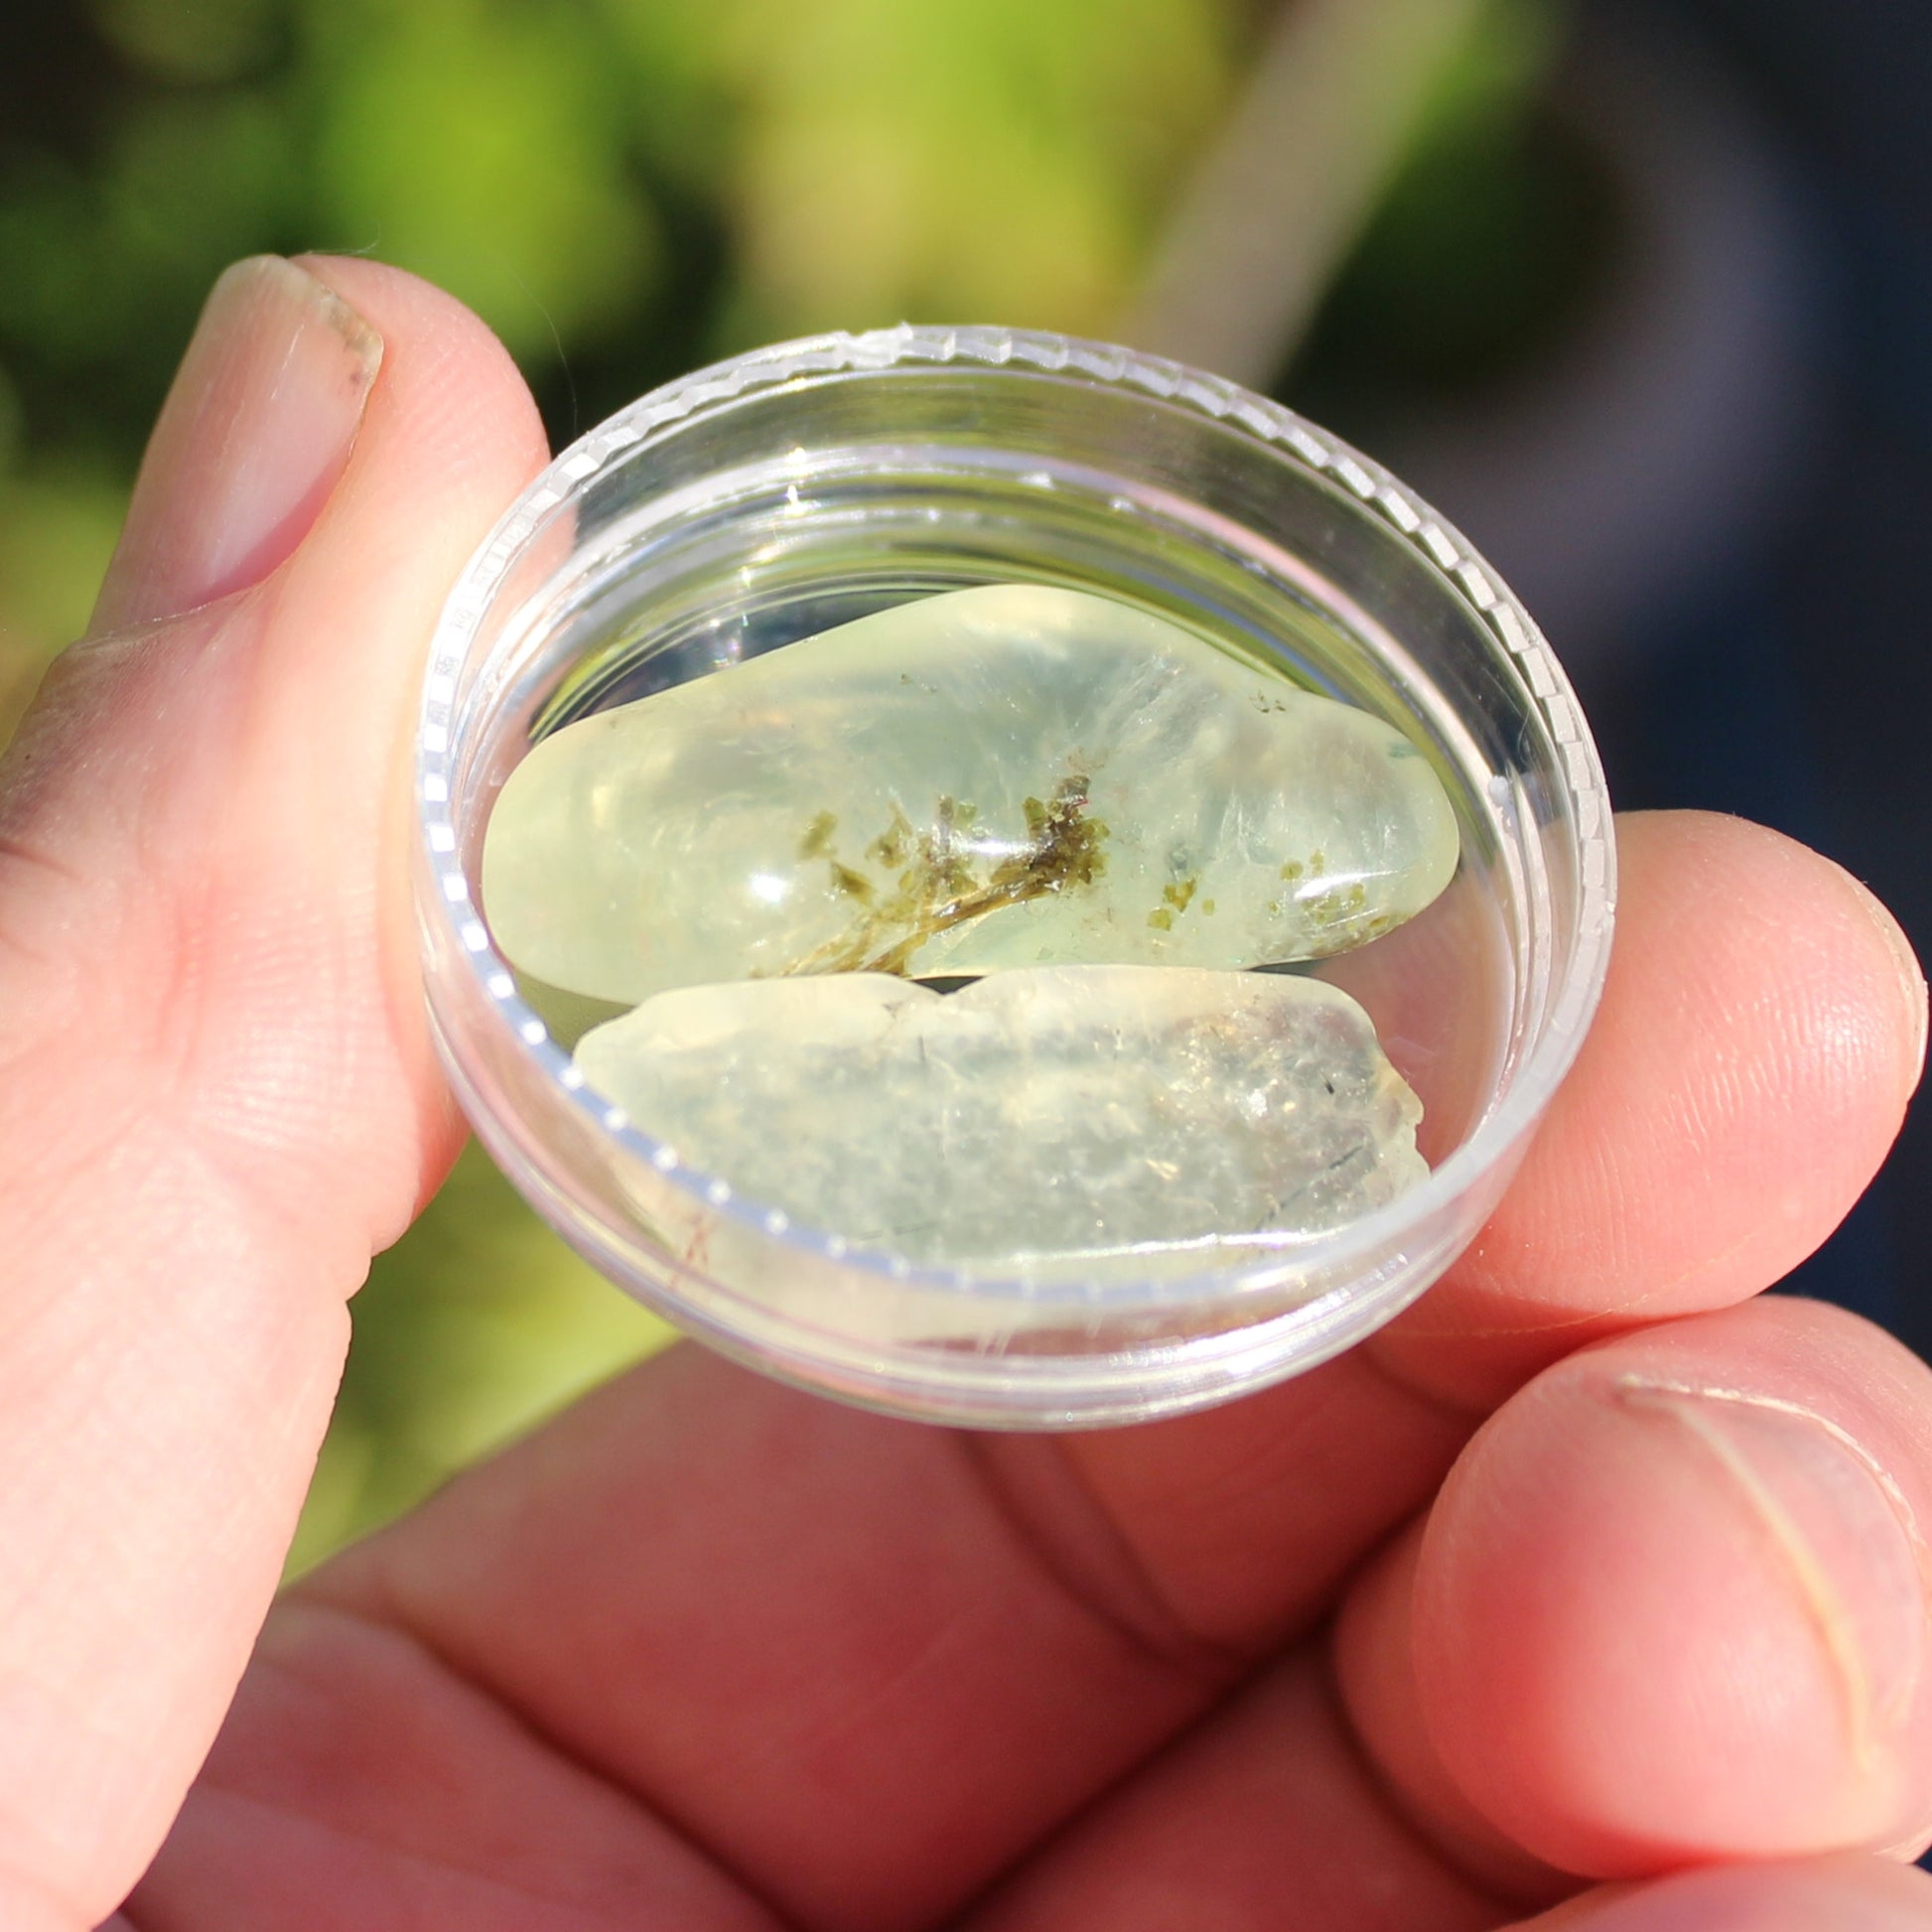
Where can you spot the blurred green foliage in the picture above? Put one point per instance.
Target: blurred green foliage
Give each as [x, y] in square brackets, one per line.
[622, 185]
[622, 189]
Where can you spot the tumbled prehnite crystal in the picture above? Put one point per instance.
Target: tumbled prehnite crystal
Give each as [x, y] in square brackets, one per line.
[1075, 1110]
[1011, 776]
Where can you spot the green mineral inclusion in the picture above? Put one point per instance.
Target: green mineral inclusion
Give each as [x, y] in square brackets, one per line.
[1013, 775]
[1100, 817]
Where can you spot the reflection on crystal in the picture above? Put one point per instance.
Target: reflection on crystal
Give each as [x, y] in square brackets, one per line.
[1046, 1110]
[1006, 776]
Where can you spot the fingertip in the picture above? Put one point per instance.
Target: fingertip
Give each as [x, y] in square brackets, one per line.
[1757, 1018]
[251, 440]
[457, 380]
[1803, 992]
[225, 795]
[1781, 892]
[1671, 1606]
[1911, 975]
[1761, 1032]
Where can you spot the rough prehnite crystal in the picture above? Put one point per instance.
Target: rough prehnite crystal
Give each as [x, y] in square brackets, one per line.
[1044, 1112]
[1011, 775]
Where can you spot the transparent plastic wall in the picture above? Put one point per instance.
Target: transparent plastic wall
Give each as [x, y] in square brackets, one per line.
[771, 498]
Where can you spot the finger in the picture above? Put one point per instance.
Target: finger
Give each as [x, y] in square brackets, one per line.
[697, 1584]
[1375, 1671]
[1832, 1894]
[1760, 1034]
[826, 1646]
[1264, 1816]
[219, 1093]
[520, 1840]
[1672, 1605]
[1267, 1817]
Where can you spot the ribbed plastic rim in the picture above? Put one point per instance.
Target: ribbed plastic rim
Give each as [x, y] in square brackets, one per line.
[665, 411]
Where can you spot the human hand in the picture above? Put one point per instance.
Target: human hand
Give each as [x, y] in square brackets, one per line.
[1590, 1568]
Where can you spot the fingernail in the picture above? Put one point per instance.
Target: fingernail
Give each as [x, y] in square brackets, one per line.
[1839, 1528]
[252, 439]
[1910, 973]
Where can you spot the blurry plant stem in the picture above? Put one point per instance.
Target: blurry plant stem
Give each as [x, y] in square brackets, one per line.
[1340, 91]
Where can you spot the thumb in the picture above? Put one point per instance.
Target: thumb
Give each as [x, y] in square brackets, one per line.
[218, 1094]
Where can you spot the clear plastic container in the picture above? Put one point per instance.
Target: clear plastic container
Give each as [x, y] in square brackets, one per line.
[773, 496]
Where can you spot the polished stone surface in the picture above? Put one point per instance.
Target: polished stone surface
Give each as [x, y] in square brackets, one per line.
[1003, 776]
[1042, 1111]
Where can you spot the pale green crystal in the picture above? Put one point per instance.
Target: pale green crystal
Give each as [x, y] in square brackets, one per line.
[1044, 1112]
[995, 777]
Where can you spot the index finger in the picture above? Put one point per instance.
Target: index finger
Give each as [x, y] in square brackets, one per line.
[864, 1663]
[1764, 1028]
